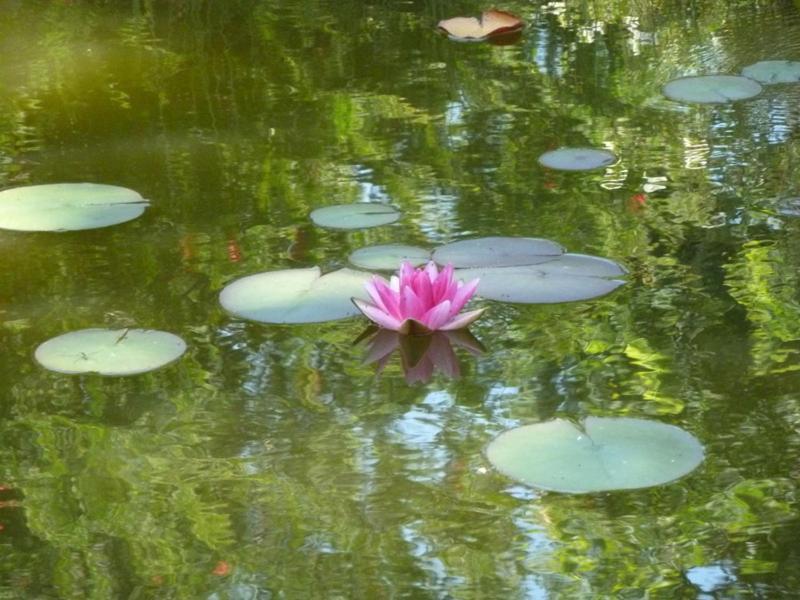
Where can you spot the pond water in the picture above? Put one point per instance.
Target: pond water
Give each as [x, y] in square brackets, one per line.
[273, 461]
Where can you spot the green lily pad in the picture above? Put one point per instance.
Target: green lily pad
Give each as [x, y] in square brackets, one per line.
[600, 455]
[567, 278]
[388, 257]
[68, 206]
[110, 351]
[773, 71]
[355, 216]
[711, 89]
[577, 159]
[295, 295]
[496, 252]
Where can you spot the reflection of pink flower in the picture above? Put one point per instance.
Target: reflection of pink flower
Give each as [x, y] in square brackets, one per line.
[420, 356]
[419, 300]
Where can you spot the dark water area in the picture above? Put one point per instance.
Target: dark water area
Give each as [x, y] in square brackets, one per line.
[272, 461]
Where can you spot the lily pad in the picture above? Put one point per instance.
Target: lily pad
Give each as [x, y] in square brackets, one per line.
[577, 159]
[711, 89]
[773, 71]
[68, 206]
[600, 455]
[497, 252]
[295, 295]
[388, 257]
[110, 351]
[492, 23]
[568, 278]
[355, 216]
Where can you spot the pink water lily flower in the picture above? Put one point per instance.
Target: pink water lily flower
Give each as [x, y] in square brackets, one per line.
[418, 301]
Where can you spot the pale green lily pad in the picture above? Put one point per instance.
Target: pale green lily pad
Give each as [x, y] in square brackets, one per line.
[577, 159]
[388, 257]
[496, 252]
[568, 278]
[773, 71]
[602, 454]
[295, 295]
[110, 351]
[711, 89]
[68, 206]
[355, 216]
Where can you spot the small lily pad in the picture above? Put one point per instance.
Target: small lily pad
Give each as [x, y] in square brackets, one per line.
[388, 257]
[497, 252]
[355, 216]
[577, 159]
[68, 206]
[568, 278]
[600, 455]
[110, 351]
[711, 89]
[295, 295]
[773, 71]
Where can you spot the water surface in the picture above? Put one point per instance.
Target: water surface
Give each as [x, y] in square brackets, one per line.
[270, 461]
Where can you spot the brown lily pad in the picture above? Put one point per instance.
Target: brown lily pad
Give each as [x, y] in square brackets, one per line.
[491, 24]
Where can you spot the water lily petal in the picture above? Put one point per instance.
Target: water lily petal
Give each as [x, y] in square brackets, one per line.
[463, 294]
[410, 305]
[462, 320]
[389, 300]
[437, 316]
[444, 284]
[375, 314]
[424, 289]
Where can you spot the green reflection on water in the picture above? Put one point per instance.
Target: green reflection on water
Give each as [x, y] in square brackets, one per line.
[274, 449]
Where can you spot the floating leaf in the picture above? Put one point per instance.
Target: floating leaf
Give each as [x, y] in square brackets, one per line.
[68, 206]
[603, 454]
[492, 23]
[577, 159]
[773, 71]
[568, 278]
[497, 252]
[295, 295]
[711, 89]
[110, 351]
[389, 256]
[355, 216]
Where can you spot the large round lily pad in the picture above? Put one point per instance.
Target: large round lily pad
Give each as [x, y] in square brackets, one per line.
[773, 71]
[110, 351]
[355, 216]
[567, 278]
[296, 295]
[68, 206]
[388, 257]
[711, 89]
[600, 455]
[497, 252]
[577, 159]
